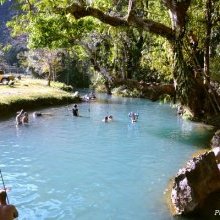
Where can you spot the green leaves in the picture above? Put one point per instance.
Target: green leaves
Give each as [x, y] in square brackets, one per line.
[47, 31]
[2, 1]
[45, 28]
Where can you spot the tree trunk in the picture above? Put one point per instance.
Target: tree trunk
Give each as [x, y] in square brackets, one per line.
[107, 87]
[207, 41]
[49, 75]
[189, 90]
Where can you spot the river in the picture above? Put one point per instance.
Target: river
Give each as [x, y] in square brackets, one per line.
[61, 167]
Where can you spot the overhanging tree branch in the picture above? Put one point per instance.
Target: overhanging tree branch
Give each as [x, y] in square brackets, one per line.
[132, 20]
[79, 11]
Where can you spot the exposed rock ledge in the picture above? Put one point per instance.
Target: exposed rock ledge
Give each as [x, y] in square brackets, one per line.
[195, 183]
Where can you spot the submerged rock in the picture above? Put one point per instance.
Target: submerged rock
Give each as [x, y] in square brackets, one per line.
[194, 183]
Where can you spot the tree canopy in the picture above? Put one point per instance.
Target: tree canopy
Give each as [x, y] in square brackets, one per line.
[129, 39]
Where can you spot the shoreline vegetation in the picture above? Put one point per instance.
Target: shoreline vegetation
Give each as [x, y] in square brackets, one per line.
[31, 94]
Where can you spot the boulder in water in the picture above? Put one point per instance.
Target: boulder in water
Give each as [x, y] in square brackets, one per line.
[194, 183]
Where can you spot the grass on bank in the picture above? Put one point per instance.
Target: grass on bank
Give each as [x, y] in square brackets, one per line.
[30, 93]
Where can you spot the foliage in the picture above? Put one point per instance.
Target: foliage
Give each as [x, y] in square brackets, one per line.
[150, 42]
[43, 61]
[47, 32]
[215, 68]
[51, 30]
[2, 1]
[126, 92]
[165, 99]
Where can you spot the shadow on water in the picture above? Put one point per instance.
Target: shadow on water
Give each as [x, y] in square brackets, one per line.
[199, 138]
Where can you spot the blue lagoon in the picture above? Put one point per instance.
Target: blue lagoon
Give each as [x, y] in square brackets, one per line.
[62, 167]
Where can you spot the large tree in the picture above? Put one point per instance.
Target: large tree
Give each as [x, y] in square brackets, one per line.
[190, 90]
[139, 14]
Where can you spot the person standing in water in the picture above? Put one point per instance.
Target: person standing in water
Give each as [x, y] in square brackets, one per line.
[19, 117]
[25, 118]
[133, 116]
[75, 111]
[7, 211]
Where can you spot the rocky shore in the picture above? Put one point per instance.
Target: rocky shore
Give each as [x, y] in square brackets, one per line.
[196, 187]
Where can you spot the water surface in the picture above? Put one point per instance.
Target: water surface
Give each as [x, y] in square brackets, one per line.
[62, 167]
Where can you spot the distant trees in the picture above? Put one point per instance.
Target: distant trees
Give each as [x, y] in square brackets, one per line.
[3, 62]
[2, 59]
[45, 62]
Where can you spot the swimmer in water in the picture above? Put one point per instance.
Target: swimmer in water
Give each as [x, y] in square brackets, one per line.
[110, 118]
[105, 119]
[37, 114]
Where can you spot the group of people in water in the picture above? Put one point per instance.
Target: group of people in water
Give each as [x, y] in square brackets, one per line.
[7, 211]
[108, 118]
[22, 117]
[89, 97]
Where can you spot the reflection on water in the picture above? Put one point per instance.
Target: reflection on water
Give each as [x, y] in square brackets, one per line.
[64, 167]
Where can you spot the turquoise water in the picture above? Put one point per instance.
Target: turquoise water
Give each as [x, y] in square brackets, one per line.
[62, 167]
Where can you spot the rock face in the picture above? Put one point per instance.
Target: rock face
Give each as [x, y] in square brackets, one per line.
[194, 183]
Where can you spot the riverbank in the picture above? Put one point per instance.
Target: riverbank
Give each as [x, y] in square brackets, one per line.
[32, 94]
